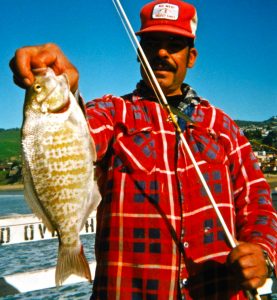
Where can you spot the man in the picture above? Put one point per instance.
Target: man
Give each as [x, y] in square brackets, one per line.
[158, 236]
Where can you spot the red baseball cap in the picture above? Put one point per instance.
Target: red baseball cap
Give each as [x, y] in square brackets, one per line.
[172, 16]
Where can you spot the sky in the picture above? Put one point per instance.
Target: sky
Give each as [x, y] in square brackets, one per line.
[236, 43]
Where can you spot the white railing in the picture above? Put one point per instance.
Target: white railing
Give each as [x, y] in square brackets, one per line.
[27, 228]
[43, 279]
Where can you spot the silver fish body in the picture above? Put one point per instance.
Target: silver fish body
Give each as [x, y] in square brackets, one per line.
[58, 170]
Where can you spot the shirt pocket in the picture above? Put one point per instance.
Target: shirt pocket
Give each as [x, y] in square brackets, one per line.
[205, 145]
[136, 149]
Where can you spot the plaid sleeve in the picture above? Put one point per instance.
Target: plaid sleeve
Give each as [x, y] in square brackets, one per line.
[101, 116]
[255, 215]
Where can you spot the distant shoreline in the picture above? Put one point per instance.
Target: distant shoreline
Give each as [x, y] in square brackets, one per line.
[272, 181]
[12, 187]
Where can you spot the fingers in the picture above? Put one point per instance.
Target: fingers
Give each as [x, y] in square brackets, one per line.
[248, 265]
[27, 59]
[73, 77]
[250, 272]
[62, 65]
[21, 68]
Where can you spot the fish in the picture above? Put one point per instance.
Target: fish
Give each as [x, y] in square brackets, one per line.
[59, 155]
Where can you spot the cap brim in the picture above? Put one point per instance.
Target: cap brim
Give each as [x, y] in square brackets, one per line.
[167, 29]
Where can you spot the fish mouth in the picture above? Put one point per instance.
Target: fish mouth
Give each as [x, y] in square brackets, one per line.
[50, 93]
[54, 106]
[57, 99]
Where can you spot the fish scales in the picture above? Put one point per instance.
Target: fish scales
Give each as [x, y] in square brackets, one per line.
[58, 155]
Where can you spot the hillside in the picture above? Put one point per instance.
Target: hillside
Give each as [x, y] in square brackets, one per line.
[262, 135]
[271, 122]
[10, 147]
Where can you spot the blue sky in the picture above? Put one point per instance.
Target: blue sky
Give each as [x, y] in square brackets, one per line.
[236, 41]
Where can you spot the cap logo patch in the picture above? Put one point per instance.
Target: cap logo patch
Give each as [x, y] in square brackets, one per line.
[165, 11]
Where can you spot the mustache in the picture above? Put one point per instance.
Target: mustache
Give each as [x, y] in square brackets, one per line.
[161, 64]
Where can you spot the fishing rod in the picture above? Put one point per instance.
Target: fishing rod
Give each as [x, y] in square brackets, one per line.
[163, 102]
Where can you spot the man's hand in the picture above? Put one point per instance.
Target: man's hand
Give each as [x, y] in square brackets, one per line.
[248, 264]
[42, 56]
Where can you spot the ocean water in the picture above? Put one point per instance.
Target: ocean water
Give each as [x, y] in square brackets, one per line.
[23, 257]
[12, 203]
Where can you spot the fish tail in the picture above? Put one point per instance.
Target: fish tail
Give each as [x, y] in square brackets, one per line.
[71, 261]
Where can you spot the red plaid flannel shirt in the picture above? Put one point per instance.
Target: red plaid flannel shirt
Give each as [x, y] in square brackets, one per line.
[158, 236]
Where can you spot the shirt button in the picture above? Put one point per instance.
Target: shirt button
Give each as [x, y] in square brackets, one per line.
[186, 244]
[184, 282]
[207, 229]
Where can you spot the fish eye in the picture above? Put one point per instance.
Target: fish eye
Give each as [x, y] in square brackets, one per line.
[37, 88]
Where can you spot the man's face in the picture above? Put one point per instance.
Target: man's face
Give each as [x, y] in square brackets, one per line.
[169, 57]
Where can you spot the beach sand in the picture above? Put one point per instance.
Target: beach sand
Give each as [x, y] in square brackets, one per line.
[12, 187]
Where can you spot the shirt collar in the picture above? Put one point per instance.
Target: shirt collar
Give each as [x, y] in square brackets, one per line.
[189, 95]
